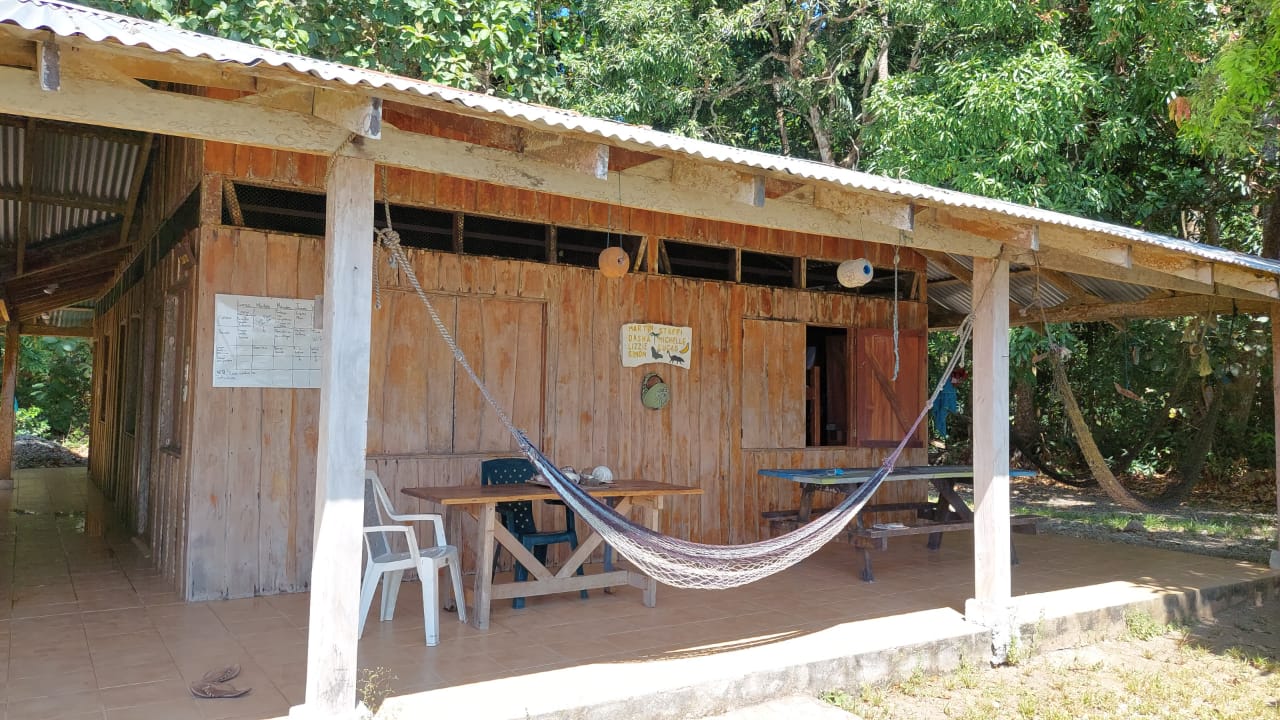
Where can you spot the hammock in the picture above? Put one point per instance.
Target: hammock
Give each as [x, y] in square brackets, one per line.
[669, 560]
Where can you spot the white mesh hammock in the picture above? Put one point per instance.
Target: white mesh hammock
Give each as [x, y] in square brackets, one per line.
[669, 560]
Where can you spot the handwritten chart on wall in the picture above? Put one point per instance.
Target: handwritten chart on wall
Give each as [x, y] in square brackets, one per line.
[265, 342]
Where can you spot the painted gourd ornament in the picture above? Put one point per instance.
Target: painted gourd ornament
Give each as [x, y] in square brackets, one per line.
[614, 262]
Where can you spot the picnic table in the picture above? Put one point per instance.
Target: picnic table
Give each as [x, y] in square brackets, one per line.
[948, 513]
[481, 501]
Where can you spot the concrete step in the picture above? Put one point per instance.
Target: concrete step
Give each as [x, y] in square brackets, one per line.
[796, 707]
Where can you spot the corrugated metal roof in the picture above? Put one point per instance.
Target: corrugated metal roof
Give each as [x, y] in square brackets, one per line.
[84, 166]
[71, 317]
[11, 136]
[71, 165]
[68, 20]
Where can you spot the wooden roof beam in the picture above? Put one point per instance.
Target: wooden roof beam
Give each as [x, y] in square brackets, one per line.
[1005, 231]
[25, 194]
[1090, 246]
[42, 330]
[588, 158]
[87, 289]
[24, 198]
[135, 187]
[17, 50]
[739, 186]
[70, 261]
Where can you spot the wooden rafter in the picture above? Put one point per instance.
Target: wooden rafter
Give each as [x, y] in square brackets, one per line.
[1157, 307]
[135, 187]
[75, 201]
[72, 263]
[24, 200]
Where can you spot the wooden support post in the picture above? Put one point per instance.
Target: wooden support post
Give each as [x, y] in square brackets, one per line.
[344, 418]
[1275, 394]
[993, 589]
[7, 416]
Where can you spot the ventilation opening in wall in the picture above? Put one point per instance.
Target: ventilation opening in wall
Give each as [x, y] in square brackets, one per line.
[705, 262]
[766, 269]
[303, 213]
[582, 247]
[264, 208]
[418, 228]
[504, 238]
[821, 275]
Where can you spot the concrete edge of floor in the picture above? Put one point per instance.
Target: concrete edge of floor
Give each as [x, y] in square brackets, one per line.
[713, 684]
[1187, 605]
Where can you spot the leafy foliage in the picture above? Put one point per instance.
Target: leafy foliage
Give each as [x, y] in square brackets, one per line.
[54, 383]
[506, 47]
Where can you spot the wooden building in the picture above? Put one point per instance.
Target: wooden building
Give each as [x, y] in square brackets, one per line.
[262, 175]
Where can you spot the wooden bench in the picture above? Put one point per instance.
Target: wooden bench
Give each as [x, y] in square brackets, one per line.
[871, 538]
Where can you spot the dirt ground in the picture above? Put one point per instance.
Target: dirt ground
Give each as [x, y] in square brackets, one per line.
[1224, 668]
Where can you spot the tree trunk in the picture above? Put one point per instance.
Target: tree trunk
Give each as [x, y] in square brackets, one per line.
[1025, 422]
[1084, 437]
[1271, 228]
[1192, 464]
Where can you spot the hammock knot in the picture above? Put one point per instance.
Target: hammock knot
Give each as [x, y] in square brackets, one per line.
[389, 238]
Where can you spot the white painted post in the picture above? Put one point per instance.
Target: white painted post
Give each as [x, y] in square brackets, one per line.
[332, 636]
[993, 580]
[1275, 396]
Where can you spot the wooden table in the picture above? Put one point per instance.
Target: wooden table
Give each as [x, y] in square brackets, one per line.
[482, 502]
[949, 512]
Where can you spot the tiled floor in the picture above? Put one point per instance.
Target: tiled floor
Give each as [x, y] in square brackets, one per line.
[87, 630]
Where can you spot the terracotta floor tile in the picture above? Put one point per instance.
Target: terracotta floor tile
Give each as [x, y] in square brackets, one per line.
[183, 709]
[66, 705]
[49, 684]
[148, 693]
[112, 675]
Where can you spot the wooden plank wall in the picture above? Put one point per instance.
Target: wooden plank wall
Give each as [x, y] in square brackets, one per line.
[147, 486]
[251, 495]
[254, 449]
[254, 463]
[151, 495]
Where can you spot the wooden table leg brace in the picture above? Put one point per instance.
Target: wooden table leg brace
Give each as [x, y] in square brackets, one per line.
[491, 533]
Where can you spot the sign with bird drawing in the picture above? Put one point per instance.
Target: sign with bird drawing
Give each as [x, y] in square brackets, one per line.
[644, 343]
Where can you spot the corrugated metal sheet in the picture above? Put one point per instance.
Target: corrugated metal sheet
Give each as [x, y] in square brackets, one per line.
[8, 222]
[77, 166]
[11, 139]
[1112, 290]
[84, 166]
[68, 20]
[52, 221]
[70, 317]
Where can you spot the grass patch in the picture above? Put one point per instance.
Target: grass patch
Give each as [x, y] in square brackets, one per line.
[1154, 671]
[1235, 527]
[1141, 626]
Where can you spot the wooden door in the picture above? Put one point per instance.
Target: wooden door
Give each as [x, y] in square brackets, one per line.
[885, 407]
[773, 384]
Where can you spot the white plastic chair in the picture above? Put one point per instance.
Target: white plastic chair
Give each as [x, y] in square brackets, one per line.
[382, 563]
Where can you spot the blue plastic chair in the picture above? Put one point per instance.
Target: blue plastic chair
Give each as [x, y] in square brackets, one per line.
[517, 516]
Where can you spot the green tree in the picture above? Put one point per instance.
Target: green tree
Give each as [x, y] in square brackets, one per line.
[506, 47]
[54, 383]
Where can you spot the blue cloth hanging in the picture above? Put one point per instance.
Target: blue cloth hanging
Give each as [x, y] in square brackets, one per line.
[946, 404]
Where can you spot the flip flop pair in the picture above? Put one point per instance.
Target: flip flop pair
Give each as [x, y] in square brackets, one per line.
[215, 684]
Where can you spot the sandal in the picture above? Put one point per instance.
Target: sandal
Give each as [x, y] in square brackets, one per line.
[220, 676]
[217, 690]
